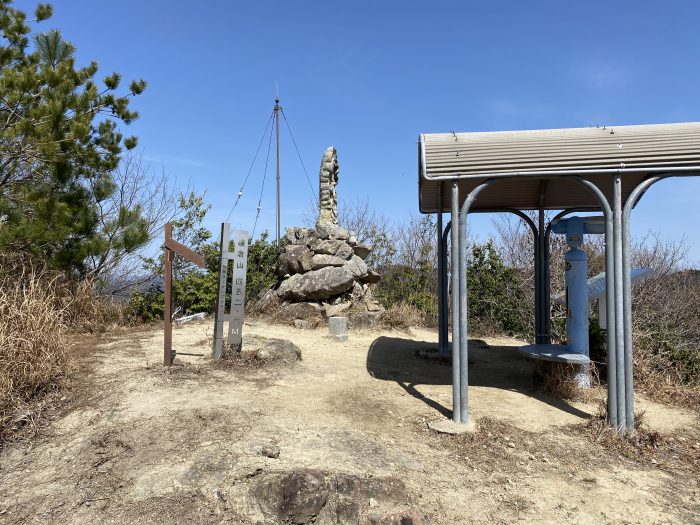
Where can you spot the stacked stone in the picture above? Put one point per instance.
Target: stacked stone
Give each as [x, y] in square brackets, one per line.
[322, 271]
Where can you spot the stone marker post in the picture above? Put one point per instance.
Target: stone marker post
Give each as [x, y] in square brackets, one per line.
[239, 256]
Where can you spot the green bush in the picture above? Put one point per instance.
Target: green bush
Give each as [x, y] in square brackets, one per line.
[147, 306]
[196, 292]
[262, 256]
[403, 285]
[495, 298]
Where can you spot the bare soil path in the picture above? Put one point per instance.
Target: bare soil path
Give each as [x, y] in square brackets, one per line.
[197, 444]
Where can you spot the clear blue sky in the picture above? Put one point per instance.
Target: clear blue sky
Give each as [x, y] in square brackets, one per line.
[368, 77]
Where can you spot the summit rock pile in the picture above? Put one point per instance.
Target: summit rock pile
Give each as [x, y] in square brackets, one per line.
[322, 273]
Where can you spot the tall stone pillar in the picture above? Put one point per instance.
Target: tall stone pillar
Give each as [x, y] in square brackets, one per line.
[328, 180]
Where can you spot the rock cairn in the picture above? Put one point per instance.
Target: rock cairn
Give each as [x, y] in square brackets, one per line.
[322, 271]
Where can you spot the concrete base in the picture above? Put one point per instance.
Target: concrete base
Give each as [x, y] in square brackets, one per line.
[447, 426]
[342, 337]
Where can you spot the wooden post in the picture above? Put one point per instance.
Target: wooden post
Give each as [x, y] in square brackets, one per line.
[171, 249]
[168, 306]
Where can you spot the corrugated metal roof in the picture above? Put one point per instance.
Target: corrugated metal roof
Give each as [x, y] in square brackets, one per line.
[635, 151]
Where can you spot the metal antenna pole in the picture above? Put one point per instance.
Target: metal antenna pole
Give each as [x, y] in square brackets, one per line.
[277, 126]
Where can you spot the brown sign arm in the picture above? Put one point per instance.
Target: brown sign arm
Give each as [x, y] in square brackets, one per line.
[184, 251]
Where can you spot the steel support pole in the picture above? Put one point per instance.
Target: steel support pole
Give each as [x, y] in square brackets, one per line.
[609, 297]
[539, 269]
[546, 302]
[440, 266]
[538, 288]
[456, 384]
[463, 300]
[631, 202]
[618, 326]
[445, 303]
[463, 322]
[627, 322]
[610, 322]
[543, 283]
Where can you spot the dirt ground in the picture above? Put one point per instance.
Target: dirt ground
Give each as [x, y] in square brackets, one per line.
[198, 444]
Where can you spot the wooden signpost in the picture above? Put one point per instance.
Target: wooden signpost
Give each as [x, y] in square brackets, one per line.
[173, 248]
[239, 256]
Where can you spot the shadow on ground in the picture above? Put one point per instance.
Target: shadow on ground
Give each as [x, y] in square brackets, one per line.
[503, 367]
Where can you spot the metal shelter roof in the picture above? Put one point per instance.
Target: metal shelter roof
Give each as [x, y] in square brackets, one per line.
[525, 158]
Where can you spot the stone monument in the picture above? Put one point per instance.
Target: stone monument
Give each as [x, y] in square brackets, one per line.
[328, 180]
[322, 271]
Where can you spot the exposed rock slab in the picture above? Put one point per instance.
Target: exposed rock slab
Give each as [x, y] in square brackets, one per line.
[312, 496]
[357, 267]
[372, 277]
[332, 247]
[310, 313]
[321, 260]
[269, 349]
[361, 250]
[316, 284]
[364, 320]
[332, 310]
[294, 259]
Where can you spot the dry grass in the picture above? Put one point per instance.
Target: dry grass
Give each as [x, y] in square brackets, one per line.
[661, 386]
[556, 379]
[402, 317]
[638, 444]
[677, 452]
[240, 361]
[33, 343]
[40, 311]
[86, 312]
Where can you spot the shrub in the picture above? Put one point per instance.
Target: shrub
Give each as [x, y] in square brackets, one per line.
[262, 256]
[495, 298]
[667, 335]
[408, 266]
[147, 306]
[196, 292]
[403, 286]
